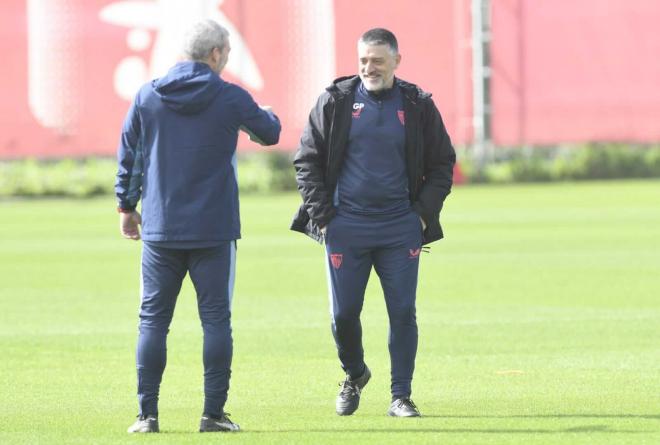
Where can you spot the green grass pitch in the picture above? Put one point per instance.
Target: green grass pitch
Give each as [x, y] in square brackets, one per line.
[539, 321]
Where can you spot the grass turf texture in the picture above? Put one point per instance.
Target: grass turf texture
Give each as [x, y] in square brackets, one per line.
[539, 320]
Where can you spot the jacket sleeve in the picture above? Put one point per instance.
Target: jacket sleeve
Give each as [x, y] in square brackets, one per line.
[128, 184]
[263, 126]
[439, 160]
[310, 162]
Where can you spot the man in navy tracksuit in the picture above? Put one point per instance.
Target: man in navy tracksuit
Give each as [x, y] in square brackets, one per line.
[374, 167]
[178, 152]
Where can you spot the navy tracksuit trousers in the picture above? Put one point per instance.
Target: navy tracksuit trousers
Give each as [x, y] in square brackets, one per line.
[391, 244]
[212, 273]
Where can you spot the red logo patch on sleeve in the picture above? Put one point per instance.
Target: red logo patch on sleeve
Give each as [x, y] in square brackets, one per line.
[402, 117]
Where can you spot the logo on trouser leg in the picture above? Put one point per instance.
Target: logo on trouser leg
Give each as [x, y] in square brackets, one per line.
[336, 259]
[414, 253]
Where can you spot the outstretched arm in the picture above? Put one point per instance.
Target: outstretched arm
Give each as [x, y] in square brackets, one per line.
[260, 123]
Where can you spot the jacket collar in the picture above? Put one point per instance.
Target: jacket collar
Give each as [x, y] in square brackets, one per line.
[346, 85]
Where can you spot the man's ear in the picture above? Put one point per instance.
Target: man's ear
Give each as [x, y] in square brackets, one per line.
[217, 54]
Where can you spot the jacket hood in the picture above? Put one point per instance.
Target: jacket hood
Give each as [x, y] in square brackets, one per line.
[347, 84]
[188, 87]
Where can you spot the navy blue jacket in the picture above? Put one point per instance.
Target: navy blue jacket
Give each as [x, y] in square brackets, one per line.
[178, 153]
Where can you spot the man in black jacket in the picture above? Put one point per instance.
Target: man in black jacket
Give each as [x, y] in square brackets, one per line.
[374, 166]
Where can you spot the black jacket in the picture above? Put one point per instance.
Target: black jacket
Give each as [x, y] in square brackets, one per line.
[430, 156]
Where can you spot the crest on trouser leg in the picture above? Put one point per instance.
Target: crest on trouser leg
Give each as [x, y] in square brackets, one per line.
[336, 259]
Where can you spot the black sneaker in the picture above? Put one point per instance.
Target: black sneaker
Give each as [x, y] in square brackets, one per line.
[144, 424]
[210, 424]
[348, 399]
[403, 408]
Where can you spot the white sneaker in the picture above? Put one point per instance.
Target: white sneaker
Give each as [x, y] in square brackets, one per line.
[403, 408]
[144, 424]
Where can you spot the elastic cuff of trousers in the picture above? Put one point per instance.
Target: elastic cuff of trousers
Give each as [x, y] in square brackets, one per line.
[213, 412]
[360, 374]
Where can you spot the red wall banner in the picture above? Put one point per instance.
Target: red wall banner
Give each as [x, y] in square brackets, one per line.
[74, 65]
[574, 71]
[561, 71]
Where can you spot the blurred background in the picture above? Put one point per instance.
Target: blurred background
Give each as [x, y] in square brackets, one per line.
[529, 90]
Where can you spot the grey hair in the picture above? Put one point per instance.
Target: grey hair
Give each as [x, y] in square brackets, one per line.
[381, 36]
[202, 37]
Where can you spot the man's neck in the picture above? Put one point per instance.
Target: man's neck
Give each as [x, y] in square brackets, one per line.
[379, 94]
